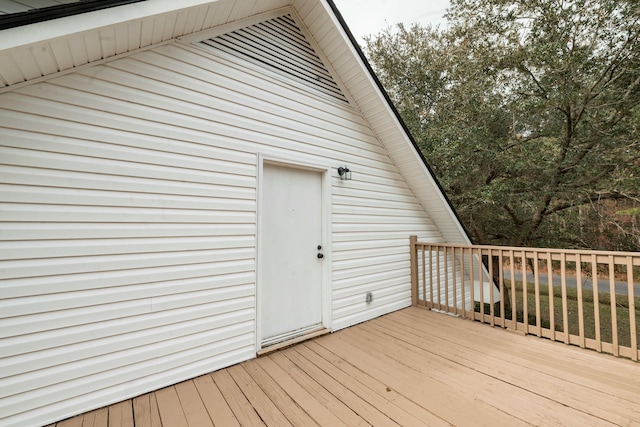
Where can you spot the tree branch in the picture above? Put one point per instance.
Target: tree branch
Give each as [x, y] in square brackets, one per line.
[526, 69]
[585, 201]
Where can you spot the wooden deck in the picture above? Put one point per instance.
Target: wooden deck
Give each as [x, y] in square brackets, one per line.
[409, 368]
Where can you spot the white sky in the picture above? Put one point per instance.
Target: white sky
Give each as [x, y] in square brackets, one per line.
[366, 17]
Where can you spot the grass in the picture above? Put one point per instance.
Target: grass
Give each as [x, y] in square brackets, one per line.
[604, 306]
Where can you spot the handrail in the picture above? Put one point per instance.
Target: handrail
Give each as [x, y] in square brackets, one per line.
[538, 291]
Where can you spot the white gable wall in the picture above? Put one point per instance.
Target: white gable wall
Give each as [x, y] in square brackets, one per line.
[129, 223]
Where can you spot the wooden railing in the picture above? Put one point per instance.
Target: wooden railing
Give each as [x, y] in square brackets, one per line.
[586, 298]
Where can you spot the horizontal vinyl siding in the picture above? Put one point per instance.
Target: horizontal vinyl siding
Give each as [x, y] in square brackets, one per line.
[128, 248]
[376, 204]
[128, 229]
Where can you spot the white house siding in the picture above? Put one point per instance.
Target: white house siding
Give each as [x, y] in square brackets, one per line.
[129, 222]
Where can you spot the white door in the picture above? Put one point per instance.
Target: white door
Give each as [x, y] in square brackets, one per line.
[290, 294]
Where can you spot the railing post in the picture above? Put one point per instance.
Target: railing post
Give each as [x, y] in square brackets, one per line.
[632, 309]
[414, 270]
[613, 303]
[582, 337]
[542, 303]
[596, 300]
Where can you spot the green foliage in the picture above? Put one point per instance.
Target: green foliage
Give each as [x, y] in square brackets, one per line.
[630, 211]
[528, 111]
[624, 311]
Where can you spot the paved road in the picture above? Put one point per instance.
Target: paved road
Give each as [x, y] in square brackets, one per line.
[587, 284]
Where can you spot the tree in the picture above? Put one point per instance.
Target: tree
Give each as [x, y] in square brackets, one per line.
[527, 110]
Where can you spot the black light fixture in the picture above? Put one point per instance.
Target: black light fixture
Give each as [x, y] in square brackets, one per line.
[345, 173]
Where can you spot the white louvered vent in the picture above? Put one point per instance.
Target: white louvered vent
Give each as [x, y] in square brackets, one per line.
[280, 45]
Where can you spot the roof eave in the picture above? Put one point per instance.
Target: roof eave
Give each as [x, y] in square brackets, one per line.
[90, 20]
[59, 11]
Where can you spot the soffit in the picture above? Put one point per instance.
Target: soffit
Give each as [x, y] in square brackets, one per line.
[36, 51]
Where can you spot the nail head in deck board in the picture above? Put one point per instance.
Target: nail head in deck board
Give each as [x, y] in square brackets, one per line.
[393, 414]
[217, 407]
[236, 400]
[405, 411]
[306, 400]
[279, 397]
[194, 410]
[121, 414]
[171, 413]
[268, 411]
[364, 409]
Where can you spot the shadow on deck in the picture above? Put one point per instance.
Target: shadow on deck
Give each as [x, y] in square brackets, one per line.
[410, 368]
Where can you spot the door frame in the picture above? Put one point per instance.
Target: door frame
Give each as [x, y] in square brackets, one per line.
[325, 195]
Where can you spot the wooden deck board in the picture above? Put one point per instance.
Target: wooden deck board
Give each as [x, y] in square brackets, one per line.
[562, 362]
[535, 408]
[194, 410]
[170, 408]
[412, 367]
[216, 405]
[237, 401]
[266, 409]
[596, 402]
[289, 407]
[97, 418]
[403, 410]
[306, 400]
[374, 398]
[357, 404]
[145, 411]
[425, 390]
[321, 394]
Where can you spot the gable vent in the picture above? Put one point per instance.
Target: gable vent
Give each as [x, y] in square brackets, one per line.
[280, 45]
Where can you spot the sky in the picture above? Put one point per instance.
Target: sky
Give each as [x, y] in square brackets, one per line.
[366, 17]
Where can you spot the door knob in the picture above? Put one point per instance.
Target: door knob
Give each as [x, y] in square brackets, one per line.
[320, 256]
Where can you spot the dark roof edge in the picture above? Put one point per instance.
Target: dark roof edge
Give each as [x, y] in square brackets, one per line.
[60, 11]
[354, 42]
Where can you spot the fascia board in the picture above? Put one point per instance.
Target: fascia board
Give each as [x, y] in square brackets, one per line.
[33, 33]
